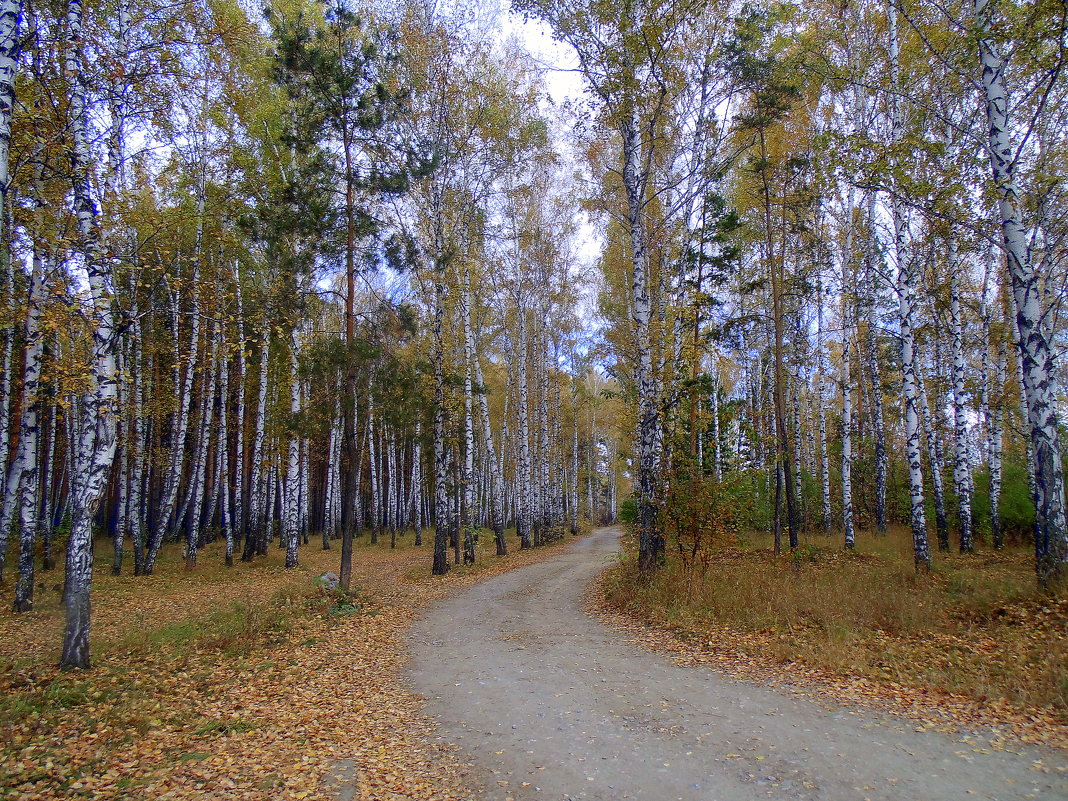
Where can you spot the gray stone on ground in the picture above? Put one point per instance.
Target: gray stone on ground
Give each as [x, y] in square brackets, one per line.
[328, 581]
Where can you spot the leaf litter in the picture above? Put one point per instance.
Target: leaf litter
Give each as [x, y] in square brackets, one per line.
[298, 696]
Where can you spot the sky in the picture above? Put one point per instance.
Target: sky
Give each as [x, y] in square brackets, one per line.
[493, 20]
[564, 84]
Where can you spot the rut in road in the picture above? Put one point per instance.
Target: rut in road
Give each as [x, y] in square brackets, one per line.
[550, 704]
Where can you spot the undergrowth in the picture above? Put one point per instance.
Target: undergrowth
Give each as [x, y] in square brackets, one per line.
[976, 625]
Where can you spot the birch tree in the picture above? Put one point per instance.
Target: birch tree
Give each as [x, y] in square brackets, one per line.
[1035, 351]
[96, 444]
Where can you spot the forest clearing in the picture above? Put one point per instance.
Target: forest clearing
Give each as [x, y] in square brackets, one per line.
[327, 327]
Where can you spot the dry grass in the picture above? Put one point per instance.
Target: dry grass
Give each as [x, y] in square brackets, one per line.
[248, 684]
[975, 626]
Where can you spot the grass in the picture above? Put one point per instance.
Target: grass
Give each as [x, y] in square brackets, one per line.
[235, 629]
[194, 670]
[976, 625]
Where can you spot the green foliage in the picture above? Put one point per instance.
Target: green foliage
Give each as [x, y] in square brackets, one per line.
[700, 513]
[235, 629]
[1016, 507]
[340, 73]
[759, 59]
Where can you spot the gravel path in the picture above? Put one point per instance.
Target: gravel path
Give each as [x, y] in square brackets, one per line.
[550, 704]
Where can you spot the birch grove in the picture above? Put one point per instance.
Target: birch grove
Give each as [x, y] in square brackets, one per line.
[792, 267]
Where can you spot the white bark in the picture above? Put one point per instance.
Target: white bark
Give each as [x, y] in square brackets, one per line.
[821, 430]
[138, 431]
[847, 426]
[546, 496]
[905, 292]
[8, 339]
[193, 516]
[650, 539]
[291, 513]
[441, 459]
[165, 517]
[934, 459]
[239, 516]
[222, 453]
[997, 419]
[257, 535]
[331, 495]
[468, 512]
[1036, 352]
[961, 468]
[574, 483]
[95, 448]
[847, 316]
[494, 475]
[523, 486]
[10, 19]
[376, 495]
[23, 475]
[796, 444]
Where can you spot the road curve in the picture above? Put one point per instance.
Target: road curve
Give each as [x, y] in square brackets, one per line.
[549, 704]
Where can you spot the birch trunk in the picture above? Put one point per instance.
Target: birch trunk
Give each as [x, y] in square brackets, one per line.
[650, 538]
[441, 462]
[871, 361]
[847, 419]
[821, 420]
[376, 492]
[417, 486]
[717, 446]
[468, 512]
[1036, 351]
[574, 459]
[545, 492]
[119, 533]
[222, 453]
[96, 444]
[165, 518]
[136, 443]
[165, 503]
[798, 486]
[10, 19]
[391, 487]
[905, 291]
[47, 514]
[8, 340]
[330, 491]
[196, 487]
[1032, 487]
[291, 522]
[239, 516]
[256, 526]
[305, 497]
[494, 475]
[934, 459]
[997, 418]
[24, 472]
[961, 468]
[523, 489]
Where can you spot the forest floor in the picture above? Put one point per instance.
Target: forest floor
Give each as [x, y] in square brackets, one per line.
[252, 683]
[559, 706]
[972, 644]
[241, 683]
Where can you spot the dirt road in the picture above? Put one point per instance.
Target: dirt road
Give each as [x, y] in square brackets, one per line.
[549, 704]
